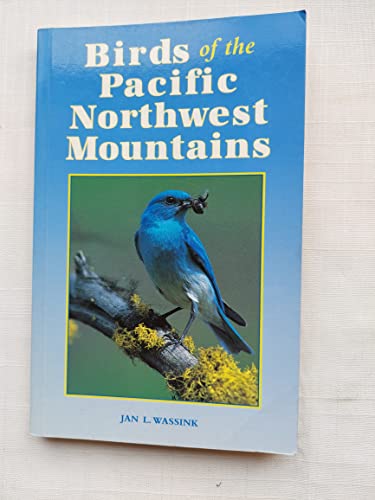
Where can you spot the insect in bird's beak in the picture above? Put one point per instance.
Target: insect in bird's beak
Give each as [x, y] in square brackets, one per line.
[200, 203]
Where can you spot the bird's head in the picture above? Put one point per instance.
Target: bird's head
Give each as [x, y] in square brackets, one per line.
[174, 203]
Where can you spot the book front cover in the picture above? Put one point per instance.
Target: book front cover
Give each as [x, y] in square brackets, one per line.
[167, 233]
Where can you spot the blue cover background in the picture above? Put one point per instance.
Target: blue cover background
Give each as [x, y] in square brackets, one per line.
[274, 72]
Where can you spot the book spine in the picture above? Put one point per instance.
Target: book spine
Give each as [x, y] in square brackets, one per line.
[39, 237]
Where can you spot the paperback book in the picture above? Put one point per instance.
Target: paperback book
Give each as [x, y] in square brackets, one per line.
[167, 233]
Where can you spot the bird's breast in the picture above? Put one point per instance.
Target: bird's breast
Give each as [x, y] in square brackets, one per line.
[158, 245]
[169, 264]
[166, 259]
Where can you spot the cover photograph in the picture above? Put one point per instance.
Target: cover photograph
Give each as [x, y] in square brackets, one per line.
[167, 233]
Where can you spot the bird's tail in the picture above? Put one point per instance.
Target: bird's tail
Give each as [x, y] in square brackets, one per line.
[229, 338]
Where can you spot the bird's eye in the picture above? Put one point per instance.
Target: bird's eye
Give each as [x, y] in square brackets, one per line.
[170, 200]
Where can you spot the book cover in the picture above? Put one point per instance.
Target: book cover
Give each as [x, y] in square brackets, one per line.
[167, 233]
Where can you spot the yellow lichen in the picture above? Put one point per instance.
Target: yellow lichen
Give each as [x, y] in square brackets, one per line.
[72, 331]
[148, 337]
[124, 339]
[189, 343]
[216, 378]
[134, 341]
[142, 308]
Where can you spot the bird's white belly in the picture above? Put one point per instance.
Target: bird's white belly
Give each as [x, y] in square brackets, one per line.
[201, 292]
[194, 287]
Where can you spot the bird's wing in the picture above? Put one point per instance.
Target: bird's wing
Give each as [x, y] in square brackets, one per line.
[136, 238]
[200, 258]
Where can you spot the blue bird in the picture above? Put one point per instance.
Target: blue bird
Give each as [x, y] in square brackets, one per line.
[180, 269]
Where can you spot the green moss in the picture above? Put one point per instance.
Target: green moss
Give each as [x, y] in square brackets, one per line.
[216, 378]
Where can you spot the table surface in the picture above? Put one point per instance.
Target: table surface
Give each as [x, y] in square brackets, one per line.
[336, 458]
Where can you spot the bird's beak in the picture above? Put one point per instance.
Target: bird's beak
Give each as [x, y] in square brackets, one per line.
[186, 204]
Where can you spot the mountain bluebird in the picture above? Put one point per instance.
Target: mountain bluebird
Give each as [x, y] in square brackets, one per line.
[180, 269]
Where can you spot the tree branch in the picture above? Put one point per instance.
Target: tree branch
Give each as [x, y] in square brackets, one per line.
[119, 314]
[103, 305]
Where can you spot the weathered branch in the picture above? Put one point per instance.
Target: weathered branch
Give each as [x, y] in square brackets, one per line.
[104, 306]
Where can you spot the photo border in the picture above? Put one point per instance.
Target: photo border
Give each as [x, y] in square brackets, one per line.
[260, 368]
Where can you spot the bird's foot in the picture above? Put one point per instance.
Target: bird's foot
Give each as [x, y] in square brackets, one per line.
[173, 339]
[172, 342]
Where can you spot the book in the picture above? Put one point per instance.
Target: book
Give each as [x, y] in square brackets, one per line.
[167, 233]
